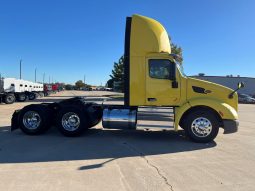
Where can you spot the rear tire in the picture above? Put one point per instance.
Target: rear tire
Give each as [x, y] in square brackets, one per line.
[22, 97]
[41, 94]
[31, 96]
[35, 119]
[36, 95]
[9, 99]
[201, 126]
[72, 121]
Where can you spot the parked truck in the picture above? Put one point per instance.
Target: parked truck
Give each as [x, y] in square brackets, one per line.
[7, 89]
[153, 77]
[12, 90]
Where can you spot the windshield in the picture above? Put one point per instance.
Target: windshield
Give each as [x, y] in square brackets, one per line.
[180, 67]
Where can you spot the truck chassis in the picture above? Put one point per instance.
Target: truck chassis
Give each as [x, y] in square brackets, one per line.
[74, 116]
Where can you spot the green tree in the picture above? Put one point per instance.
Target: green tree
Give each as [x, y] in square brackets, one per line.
[118, 73]
[109, 83]
[79, 84]
[175, 49]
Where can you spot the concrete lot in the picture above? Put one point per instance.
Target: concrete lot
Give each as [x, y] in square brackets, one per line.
[125, 160]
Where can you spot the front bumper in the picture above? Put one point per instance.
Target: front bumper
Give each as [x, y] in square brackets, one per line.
[230, 126]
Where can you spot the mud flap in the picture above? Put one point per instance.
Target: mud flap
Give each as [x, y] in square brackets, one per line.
[15, 123]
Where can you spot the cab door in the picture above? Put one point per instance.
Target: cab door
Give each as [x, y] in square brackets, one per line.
[162, 82]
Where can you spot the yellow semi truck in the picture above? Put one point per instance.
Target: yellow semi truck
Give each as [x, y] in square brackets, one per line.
[153, 77]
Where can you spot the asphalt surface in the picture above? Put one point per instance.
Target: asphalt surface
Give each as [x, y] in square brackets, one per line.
[126, 160]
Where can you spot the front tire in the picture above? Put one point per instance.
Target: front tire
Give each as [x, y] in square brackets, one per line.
[201, 126]
[72, 121]
[9, 98]
[35, 119]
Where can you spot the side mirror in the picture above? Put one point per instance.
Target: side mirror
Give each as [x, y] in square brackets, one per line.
[240, 85]
[172, 75]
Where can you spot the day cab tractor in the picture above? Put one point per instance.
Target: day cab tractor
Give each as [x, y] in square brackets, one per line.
[153, 78]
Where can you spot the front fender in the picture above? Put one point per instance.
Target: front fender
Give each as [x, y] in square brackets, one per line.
[224, 110]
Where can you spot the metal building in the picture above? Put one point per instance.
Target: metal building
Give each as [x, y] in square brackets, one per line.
[231, 82]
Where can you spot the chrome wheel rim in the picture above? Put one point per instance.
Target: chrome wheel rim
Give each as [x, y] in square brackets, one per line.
[201, 127]
[31, 120]
[10, 98]
[70, 121]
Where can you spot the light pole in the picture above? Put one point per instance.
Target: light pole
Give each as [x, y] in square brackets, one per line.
[20, 61]
[35, 75]
[43, 77]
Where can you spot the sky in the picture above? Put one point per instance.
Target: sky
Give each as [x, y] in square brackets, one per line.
[67, 39]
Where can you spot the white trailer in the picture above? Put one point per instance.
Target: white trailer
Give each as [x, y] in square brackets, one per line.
[38, 89]
[12, 89]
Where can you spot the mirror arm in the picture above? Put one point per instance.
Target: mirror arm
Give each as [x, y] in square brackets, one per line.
[232, 93]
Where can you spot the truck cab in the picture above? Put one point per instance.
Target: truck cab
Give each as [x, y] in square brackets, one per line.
[155, 78]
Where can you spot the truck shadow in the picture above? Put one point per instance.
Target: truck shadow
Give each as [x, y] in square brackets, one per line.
[16, 147]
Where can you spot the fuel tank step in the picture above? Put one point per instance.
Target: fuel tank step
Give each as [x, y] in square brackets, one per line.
[155, 118]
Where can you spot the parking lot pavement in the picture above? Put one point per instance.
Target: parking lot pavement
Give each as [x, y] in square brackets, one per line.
[126, 160]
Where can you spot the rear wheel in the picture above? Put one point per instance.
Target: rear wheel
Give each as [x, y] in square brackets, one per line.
[21, 97]
[36, 95]
[9, 98]
[31, 96]
[72, 121]
[201, 126]
[35, 119]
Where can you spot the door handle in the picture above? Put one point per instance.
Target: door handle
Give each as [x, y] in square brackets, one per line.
[151, 99]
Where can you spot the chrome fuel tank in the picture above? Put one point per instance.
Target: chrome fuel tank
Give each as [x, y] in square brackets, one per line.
[119, 118]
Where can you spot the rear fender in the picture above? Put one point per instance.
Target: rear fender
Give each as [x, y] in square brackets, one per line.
[14, 122]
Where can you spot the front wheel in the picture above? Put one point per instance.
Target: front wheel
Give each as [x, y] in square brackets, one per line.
[201, 126]
[72, 121]
[9, 99]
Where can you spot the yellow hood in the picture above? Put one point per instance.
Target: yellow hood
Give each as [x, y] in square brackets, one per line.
[203, 89]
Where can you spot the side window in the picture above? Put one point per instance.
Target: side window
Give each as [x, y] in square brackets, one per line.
[21, 85]
[160, 69]
[12, 85]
